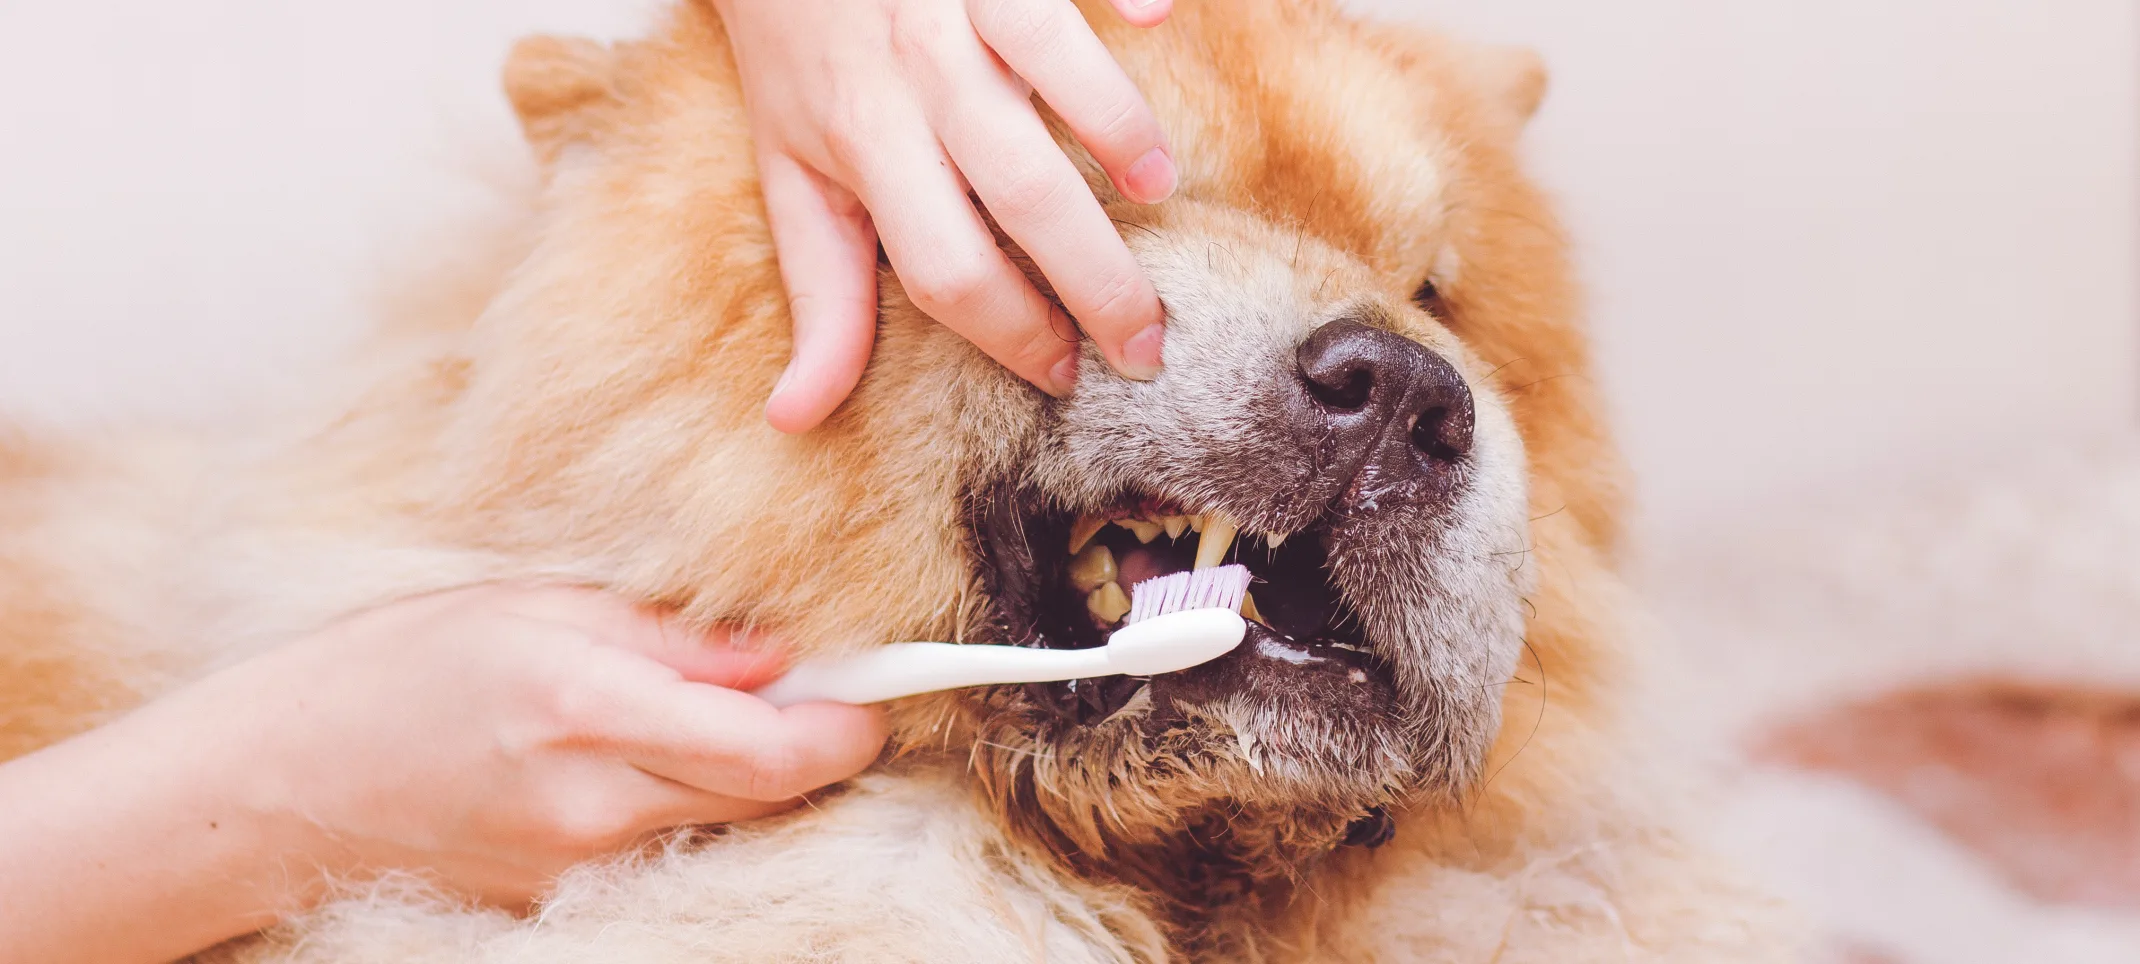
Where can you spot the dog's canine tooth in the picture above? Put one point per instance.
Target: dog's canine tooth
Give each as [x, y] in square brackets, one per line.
[1146, 531]
[1217, 538]
[1276, 539]
[1248, 609]
[1093, 568]
[1108, 602]
[1082, 531]
[1175, 525]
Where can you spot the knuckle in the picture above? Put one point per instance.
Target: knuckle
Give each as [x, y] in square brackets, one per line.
[1124, 123]
[951, 284]
[916, 31]
[1019, 29]
[1028, 196]
[776, 773]
[849, 129]
[588, 822]
[1114, 295]
[574, 708]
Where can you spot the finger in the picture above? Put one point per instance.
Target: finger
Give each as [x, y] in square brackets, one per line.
[632, 806]
[952, 269]
[721, 656]
[827, 251]
[1037, 196]
[1143, 13]
[736, 745]
[1052, 47]
[670, 804]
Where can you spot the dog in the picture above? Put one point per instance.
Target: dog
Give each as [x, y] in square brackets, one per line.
[1374, 372]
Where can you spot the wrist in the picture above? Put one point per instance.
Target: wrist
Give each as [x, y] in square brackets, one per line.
[244, 794]
[227, 810]
[152, 820]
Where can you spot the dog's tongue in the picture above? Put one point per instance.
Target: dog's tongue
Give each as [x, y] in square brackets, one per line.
[1138, 565]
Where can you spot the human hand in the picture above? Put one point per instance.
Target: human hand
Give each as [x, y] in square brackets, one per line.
[496, 736]
[488, 737]
[874, 120]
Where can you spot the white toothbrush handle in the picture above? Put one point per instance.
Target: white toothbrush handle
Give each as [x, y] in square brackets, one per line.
[905, 669]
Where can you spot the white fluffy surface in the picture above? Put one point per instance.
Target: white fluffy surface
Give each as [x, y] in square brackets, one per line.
[2029, 572]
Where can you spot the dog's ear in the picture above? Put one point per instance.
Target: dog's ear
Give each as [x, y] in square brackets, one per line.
[1512, 80]
[563, 89]
[1507, 83]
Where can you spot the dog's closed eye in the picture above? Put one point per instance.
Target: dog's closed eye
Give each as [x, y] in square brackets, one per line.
[1429, 298]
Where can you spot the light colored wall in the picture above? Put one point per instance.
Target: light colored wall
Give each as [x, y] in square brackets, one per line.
[195, 194]
[1826, 238]
[1834, 241]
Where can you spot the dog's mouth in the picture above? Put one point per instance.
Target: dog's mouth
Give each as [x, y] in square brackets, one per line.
[1083, 566]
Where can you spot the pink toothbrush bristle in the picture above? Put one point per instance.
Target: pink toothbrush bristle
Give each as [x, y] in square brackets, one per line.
[1220, 587]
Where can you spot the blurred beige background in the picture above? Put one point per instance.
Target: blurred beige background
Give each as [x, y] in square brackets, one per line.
[1828, 241]
[1841, 240]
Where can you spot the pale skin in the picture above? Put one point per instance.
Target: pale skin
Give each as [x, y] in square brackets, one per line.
[488, 739]
[874, 118]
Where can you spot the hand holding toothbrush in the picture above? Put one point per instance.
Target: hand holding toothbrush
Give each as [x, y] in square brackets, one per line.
[486, 739]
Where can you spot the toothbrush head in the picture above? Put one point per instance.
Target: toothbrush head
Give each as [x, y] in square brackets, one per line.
[1181, 620]
[1174, 642]
[1219, 587]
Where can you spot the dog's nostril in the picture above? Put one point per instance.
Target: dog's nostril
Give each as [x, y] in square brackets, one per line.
[1349, 394]
[1343, 364]
[1439, 435]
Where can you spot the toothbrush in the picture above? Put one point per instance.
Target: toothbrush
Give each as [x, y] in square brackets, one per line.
[1175, 622]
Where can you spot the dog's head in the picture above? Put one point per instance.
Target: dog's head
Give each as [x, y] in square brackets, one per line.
[1367, 314]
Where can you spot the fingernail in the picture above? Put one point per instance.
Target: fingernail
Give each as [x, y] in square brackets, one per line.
[1151, 178]
[778, 415]
[786, 375]
[1141, 353]
[1063, 377]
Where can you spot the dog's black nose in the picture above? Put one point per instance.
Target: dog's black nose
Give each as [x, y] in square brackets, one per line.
[1368, 381]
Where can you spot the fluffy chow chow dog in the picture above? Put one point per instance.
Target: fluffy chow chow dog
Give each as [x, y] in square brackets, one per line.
[1374, 377]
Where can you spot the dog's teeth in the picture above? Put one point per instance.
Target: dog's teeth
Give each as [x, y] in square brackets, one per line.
[1093, 568]
[1217, 538]
[1108, 602]
[1277, 539]
[1196, 523]
[1248, 609]
[1082, 531]
[1175, 525]
[1146, 531]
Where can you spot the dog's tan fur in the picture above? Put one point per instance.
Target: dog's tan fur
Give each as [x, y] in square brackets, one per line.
[587, 409]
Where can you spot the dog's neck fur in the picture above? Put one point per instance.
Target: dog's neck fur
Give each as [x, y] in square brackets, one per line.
[1215, 877]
